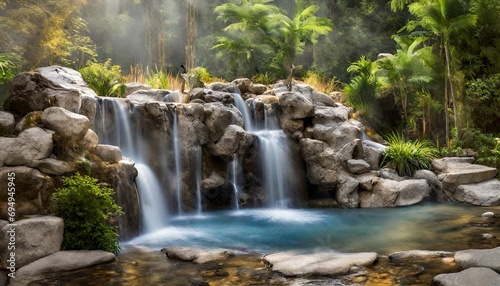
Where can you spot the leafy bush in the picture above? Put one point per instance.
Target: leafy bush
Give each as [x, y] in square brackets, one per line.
[406, 157]
[88, 210]
[264, 78]
[160, 79]
[483, 100]
[105, 79]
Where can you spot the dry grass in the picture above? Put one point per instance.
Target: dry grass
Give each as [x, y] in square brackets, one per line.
[320, 83]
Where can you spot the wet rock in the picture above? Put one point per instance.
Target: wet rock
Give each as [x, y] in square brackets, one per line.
[214, 181]
[432, 179]
[198, 256]
[488, 236]
[488, 214]
[90, 140]
[243, 84]
[217, 118]
[66, 261]
[482, 194]
[108, 153]
[69, 126]
[35, 238]
[295, 105]
[418, 254]
[234, 140]
[468, 277]
[347, 194]
[389, 193]
[31, 144]
[327, 263]
[479, 258]
[358, 166]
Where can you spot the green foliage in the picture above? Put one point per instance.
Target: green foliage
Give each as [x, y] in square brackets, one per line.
[483, 100]
[105, 79]
[88, 210]
[264, 78]
[406, 157]
[159, 79]
[7, 68]
[197, 77]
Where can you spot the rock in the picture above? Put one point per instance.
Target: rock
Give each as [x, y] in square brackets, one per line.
[66, 78]
[196, 255]
[258, 88]
[412, 255]
[69, 126]
[30, 120]
[488, 214]
[7, 123]
[67, 260]
[35, 238]
[441, 165]
[337, 134]
[90, 140]
[479, 258]
[384, 55]
[391, 174]
[52, 166]
[367, 180]
[147, 95]
[389, 193]
[468, 277]
[326, 263]
[321, 99]
[214, 181]
[488, 236]
[430, 177]
[108, 153]
[217, 118]
[347, 192]
[372, 155]
[221, 86]
[243, 84]
[295, 105]
[134, 86]
[482, 194]
[31, 144]
[218, 96]
[197, 93]
[357, 166]
[33, 190]
[234, 140]
[3, 278]
[88, 108]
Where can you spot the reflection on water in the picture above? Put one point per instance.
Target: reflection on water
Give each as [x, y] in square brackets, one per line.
[448, 227]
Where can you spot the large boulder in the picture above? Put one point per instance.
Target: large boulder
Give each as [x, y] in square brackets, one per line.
[65, 261]
[295, 105]
[34, 238]
[479, 258]
[31, 144]
[33, 190]
[51, 166]
[108, 153]
[358, 166]
[389, 193]
[326, 263]
[69, 126]
[217, 118]
[472, 276]
[482, 194]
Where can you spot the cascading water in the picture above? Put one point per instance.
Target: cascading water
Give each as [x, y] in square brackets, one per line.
[234, 181]
[178, 167]
[274, 152]
[199, 170]
[153, 205]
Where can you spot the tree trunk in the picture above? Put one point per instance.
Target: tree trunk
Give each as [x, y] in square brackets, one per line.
[452, 93]
[191, 31]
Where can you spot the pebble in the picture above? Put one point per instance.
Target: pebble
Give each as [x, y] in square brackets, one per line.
[488, 236]
[488, 214]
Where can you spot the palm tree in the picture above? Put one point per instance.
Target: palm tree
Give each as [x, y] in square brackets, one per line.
[444, 18]
[406, 71]
[293, 34]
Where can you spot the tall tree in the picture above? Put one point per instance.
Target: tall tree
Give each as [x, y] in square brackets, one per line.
[445, 19]
[191, 33]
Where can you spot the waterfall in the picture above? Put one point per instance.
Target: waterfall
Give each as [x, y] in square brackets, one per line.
[234, 181]
[274, 152]
[178, 167]
[199, 170]
[154, 212]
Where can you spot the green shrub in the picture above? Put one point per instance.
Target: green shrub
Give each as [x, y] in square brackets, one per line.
[88, 210]
[160, 79]
[264, 78]
[406, 157]
[105, 79]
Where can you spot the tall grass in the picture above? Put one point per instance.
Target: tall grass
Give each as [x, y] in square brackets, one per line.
[320, 82]
[406, 157]
[104, 78]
